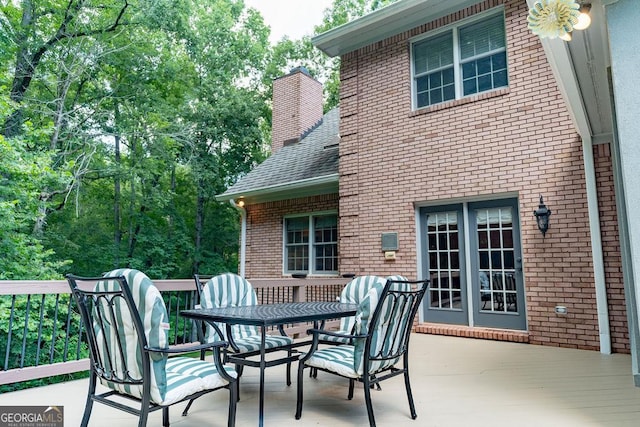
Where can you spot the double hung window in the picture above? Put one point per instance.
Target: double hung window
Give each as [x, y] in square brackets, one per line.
[463, 60]
[311, 244]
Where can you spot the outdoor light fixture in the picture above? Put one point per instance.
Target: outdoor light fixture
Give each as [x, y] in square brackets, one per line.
[584, 19]
[542, 215]
[240, 203]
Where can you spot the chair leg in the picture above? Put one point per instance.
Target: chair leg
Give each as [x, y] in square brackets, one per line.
[165, 416]
[89, 405]
[289, 353]
[352, 383]
[233, 400]
[186, 410]
[367, 398]
[239, 369]
[407, 385]
[300, 392]
[144, 414]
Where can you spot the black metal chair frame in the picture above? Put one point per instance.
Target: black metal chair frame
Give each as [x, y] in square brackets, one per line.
[407, 302]
[239, 356]
[85, 301]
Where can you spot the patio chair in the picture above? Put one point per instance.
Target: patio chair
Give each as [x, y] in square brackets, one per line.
[126, 324]
[352, 293]
[380, 339]
[231, 290]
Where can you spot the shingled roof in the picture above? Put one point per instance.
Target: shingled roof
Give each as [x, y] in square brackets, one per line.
[306, 168]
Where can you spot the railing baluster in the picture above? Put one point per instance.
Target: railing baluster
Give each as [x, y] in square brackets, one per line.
[68, 328]
[10, 332]
[40, 330]
[55, 330]
[25, 331]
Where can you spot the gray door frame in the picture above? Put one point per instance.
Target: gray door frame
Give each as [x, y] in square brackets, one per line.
[470, 310]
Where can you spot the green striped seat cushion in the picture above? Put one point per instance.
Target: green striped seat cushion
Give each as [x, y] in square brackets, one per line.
[252, 343]
[170, 381]
[187, 375]
[387, 326]
[154, 317]
[347, 360]
[231, 290]
[338, 359]
[352, 293]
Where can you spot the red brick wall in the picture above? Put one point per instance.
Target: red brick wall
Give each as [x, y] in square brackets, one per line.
[264, 231]
[516, 141]
[297, 106]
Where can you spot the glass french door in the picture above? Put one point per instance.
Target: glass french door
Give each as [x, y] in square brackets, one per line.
[472, 256]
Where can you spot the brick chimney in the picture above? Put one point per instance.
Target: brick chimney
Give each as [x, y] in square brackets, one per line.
[297, 107]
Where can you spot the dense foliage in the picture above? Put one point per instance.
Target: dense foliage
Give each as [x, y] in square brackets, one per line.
[120, 120]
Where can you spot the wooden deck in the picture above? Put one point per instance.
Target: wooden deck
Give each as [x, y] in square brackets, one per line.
[456, 382]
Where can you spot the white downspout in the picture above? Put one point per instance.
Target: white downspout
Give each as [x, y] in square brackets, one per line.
[559, 60]
[602, 304]
[243, 236]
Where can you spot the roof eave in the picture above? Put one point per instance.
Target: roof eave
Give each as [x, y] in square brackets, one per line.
[384, 23]
[326, 184]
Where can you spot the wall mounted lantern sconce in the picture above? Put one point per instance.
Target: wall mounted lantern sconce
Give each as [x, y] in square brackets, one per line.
[542, 215]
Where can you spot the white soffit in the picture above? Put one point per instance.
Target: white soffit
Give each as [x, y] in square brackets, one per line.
[384, 23]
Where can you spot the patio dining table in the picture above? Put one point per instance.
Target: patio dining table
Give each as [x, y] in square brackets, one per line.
[265, 316]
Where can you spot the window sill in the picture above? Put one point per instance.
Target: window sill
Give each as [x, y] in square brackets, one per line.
[459, 102]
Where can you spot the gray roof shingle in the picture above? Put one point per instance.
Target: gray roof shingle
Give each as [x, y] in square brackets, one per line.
[304, 168]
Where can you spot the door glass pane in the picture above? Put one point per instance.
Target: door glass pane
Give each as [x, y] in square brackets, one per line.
[497, 290]
[444, 261]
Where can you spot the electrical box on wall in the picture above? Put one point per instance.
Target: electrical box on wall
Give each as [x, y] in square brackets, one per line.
[389, 242]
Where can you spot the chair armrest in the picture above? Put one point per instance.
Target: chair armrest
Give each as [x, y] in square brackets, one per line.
[217, 355]
[189, 349]
[281, 330]
[316, 332]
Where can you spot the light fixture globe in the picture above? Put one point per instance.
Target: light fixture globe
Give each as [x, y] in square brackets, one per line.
[584, 19]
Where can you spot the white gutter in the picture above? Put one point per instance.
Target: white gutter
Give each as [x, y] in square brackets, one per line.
[559, 58]
[243, 237]
[282, 188]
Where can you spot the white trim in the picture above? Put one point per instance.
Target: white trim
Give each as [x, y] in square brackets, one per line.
[384, 23]
[311, 243]
[243, 238]
[286, 187]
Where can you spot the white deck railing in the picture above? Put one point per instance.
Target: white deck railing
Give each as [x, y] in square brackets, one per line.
[41, 333]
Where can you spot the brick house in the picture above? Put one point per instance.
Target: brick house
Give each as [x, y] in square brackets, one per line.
[454, 120]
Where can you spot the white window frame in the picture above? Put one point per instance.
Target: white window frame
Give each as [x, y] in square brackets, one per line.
[311, 244]
[457, 68]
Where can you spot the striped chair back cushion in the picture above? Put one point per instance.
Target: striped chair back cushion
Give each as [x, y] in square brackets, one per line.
[155, 320]
[228, 290]
[384, 337]
[353, 293]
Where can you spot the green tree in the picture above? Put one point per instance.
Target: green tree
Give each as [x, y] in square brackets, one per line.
[22, 174]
